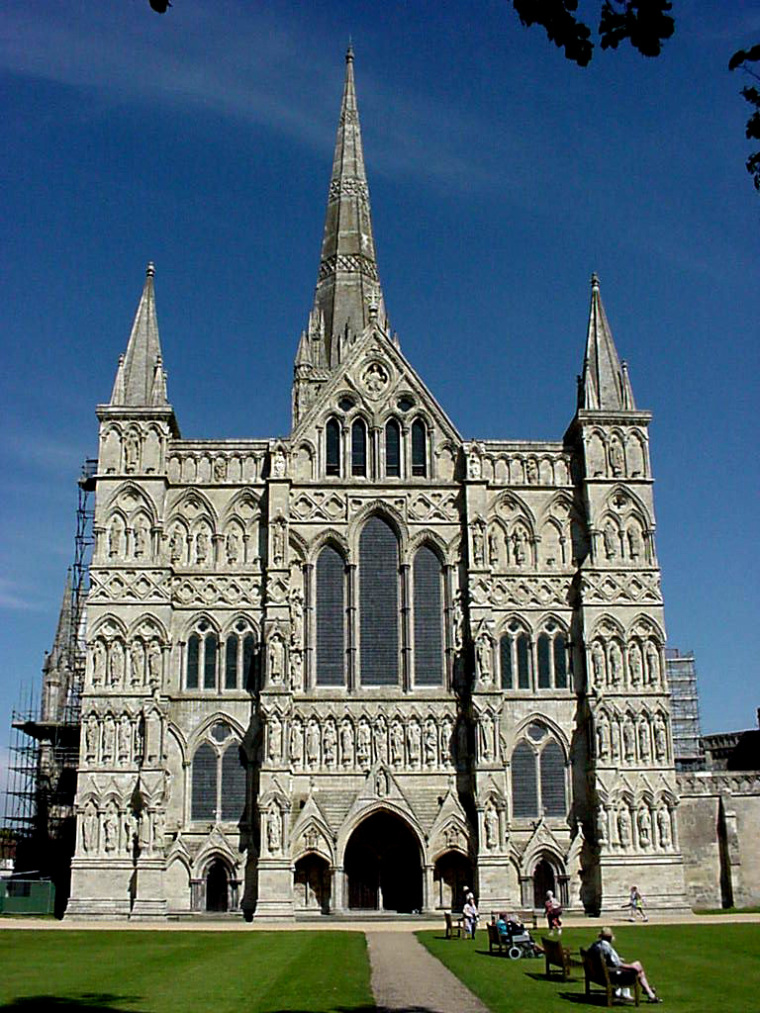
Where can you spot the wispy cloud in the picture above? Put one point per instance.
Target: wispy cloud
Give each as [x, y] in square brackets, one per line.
[236, 61]
[16, 597]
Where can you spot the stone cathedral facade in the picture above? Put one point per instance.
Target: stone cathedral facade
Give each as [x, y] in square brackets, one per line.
[363, 665]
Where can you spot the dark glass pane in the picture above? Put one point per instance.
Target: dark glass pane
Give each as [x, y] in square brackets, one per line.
[544, 662]
[346, 404]
[523, 661]
[233, 784]
[230, 663]
[332, 441]
[358, 448]
[505, 647]
[378, 604]
[524, 782]
[419, 448]
[203, 804]
[392, 449]
[249, 658]
[193, 651]
[428, 619]
[209, 661]
[560, 662]
[553, 780]
[405, 404]
[331, 614]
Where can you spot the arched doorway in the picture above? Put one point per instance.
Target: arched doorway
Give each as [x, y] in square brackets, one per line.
[312, 884]
[217, 883]
[543, 880]
[383, 866]
[451, 874]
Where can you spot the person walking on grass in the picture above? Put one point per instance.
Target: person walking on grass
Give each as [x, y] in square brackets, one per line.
[603, 946]
[636, 905]
[470, 915]
[553, 911]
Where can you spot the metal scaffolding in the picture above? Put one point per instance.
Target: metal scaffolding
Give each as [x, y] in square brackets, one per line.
[684, 709]
[44, 748]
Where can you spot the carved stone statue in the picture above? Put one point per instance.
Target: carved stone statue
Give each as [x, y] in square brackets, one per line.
[98, 662]
[330, 743]
[491, 821]
[447, 730]
[474, 464]
[629, 740]
[125, 739]
[296, 743]
[483, 653]
[520, 546]
[154, 664]
[617, 463]
[493, 549]
[202, 546]
[610, 537]
[278, 541]
[660, 739]
[109, 737]
[279, 464]
[624, 827]
[364, 744]
[664, 827]
[275, 739]
[312, 743]
[615, 739]
[430, 742]
[347, 743]
[645, 828]
[531, 471]
[635, 665]
[603, 823]
[110, 829]
[131, 452]
[458, 622]
[91, 738]
[397, 744]
[220, 470]
[381, 741]
[276, 655]
[296, 669]
[274, 831]
[478, 544]
[89, 828]
[116, 663]
[653, 664]
[598, 665]
[115, 538]
[296, 616]
[232, 547]
[176, 545]
[616, 665]
[413, 742]
[644, 751]
[136, 663]
[635, 542]
[603, 737]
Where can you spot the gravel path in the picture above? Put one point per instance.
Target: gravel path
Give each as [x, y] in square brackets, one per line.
[406, 977]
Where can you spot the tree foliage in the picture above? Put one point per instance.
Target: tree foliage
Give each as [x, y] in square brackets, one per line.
[646, 24]
[744, 59]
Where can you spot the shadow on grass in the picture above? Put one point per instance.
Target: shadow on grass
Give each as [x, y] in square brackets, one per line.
[555, 979]
[596, 999]
[94, 1002]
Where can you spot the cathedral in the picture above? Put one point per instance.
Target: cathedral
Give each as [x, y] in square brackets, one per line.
[363, 665]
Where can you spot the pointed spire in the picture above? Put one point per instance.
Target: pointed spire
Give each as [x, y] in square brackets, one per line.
[348, 283]
[604, 384]
[63, 633]
[136, 376]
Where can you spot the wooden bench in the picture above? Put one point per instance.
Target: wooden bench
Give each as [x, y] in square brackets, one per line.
[528, 917]
[495, 940]
[556, 955]
[598, 973]
[454, 928]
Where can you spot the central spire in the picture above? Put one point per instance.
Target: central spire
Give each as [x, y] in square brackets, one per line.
[348, 291]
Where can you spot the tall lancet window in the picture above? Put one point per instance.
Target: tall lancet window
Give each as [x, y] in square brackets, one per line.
[331, 618]
[392, 450]
[428, 618]
[359, 448]
[332, 447]
[378, 604]
[419, 449]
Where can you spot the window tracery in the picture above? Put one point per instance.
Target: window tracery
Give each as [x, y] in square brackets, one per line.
[539, 783]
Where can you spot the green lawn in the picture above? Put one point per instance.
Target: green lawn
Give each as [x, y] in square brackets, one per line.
[183, 972]
[694, 967]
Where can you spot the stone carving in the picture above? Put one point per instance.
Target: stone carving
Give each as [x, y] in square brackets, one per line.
[276, 659]
[296, 616]
[110, 829]
[598, 665]
[274, 831]
[616, 665]
[474, 463]
[629, 739]
[660, 738]
[645, 828]
[375, 379]
[220, 470]
[653, 664]
[232, 547]
[458, 622]
[621, 587]
[91, 736]
[296, 669]
[644, 751]
[137, 663]
[364, 744]
[347, 743]
[296, 742]
[177, 546]
[430, 743]
[478, 543]
[116, 663]
[617, 462]
[664, 828]
[275, 739]
[519, 547]
[491, 821]
[313, 743]
[397, 744]
[414, 742]
[124, 739]
[381, 740]
[330, 744]
[610, 539]
[635, 665]
[155, 663]
[635, 542]
[484, 653]
[90, 829]
[603, 737]
[109, 738]
[207, 591]
[131, 452]
[98, 663]
[624, 827]
[278, 541]
[279, 464]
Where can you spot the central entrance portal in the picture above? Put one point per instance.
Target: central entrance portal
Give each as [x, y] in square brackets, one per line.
[383, 866]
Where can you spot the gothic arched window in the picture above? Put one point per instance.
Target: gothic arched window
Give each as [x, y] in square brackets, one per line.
[552, 658]
[393, 449]
[331, 616]
[378, 604]
[359, 448]
[332, 447]
[218, 781]
[428, 618]
[419, 449]
[538, 775]
[505, 653]
[202, 657]
[523, 661]
[239, 649]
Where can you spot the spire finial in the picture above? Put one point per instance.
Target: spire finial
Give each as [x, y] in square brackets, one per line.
[350, 51]
[595, 281]
[150, 270]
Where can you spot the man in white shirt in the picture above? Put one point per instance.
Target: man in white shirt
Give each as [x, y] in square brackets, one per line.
[603, 946]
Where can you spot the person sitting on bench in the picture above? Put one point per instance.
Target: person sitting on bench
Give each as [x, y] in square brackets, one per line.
[603, 946]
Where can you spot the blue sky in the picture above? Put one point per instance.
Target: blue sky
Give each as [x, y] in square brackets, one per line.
[501, 177]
